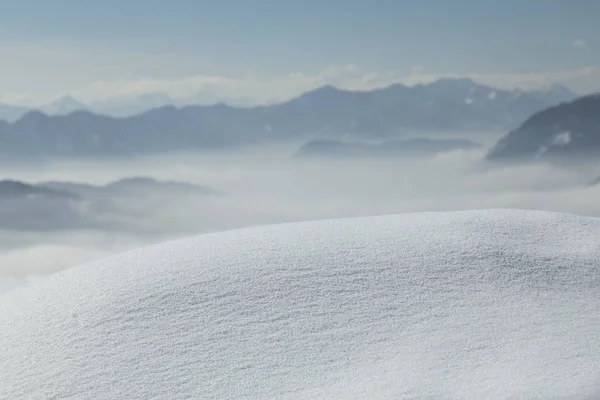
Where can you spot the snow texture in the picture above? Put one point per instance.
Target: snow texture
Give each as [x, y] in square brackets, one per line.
[7, 284]
[465, 305]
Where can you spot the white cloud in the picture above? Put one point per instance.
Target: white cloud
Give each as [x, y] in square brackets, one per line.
[579, 43]
[40, 73]
[582, 80]
[349, 77]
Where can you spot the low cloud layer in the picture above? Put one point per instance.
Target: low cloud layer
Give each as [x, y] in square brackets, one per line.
[266, 185]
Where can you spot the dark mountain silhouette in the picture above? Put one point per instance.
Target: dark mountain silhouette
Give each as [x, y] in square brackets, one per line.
[327, 112]
[17, 189]
[51, 206]
[568, 132]
[30, 207]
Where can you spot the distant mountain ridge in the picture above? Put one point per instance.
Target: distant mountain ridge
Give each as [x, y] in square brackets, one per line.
[566, 132]
[120, 106]
[62, 205]
[11, 113]
[327, 112]
[12, 189]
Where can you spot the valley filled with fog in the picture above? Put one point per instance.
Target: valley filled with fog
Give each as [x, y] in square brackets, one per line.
[90, 208]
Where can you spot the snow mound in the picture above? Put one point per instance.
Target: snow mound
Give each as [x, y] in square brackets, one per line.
[465, 305]
[7, 284]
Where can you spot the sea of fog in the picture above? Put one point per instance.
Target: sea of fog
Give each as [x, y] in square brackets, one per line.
[267, 184]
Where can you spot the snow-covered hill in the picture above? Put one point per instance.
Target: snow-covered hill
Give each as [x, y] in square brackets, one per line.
[7, 284]
[466, 305]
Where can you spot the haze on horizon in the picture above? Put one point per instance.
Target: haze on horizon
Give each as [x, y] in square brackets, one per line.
[266, 51]
[263, 185]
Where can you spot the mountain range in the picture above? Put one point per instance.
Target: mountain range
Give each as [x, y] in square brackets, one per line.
[568, 132]
[327, 112]
[60, 205]
[120, 106]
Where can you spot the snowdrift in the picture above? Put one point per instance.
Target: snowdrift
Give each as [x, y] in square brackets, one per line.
[7, 284]
[464, 305]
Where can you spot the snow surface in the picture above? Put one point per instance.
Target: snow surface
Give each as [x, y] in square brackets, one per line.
[7, 284]
[465, 305]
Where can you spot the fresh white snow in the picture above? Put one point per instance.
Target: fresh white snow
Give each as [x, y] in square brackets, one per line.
[465, 305]
[7, 284]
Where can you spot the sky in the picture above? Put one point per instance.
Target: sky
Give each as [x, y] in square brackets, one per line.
[268, 50]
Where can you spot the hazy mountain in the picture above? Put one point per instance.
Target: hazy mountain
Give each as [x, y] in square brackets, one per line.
[555, 94]
[131, 105]
[16, 189]
[205, 97]
[124, 106]
[50, 206]
[11, 113]
[567, 132]
[29, 207]
[445, 105]
[63, 106]
[392, 148]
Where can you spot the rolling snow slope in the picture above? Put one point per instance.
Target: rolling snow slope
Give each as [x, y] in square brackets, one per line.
[466, 305]
[7, 284]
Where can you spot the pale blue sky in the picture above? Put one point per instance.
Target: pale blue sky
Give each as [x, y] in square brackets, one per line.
[68, 45]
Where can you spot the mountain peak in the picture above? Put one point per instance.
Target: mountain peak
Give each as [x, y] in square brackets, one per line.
[34, 115]
[64, 105]
[561, 90]
[565, 132]
[325, 90]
